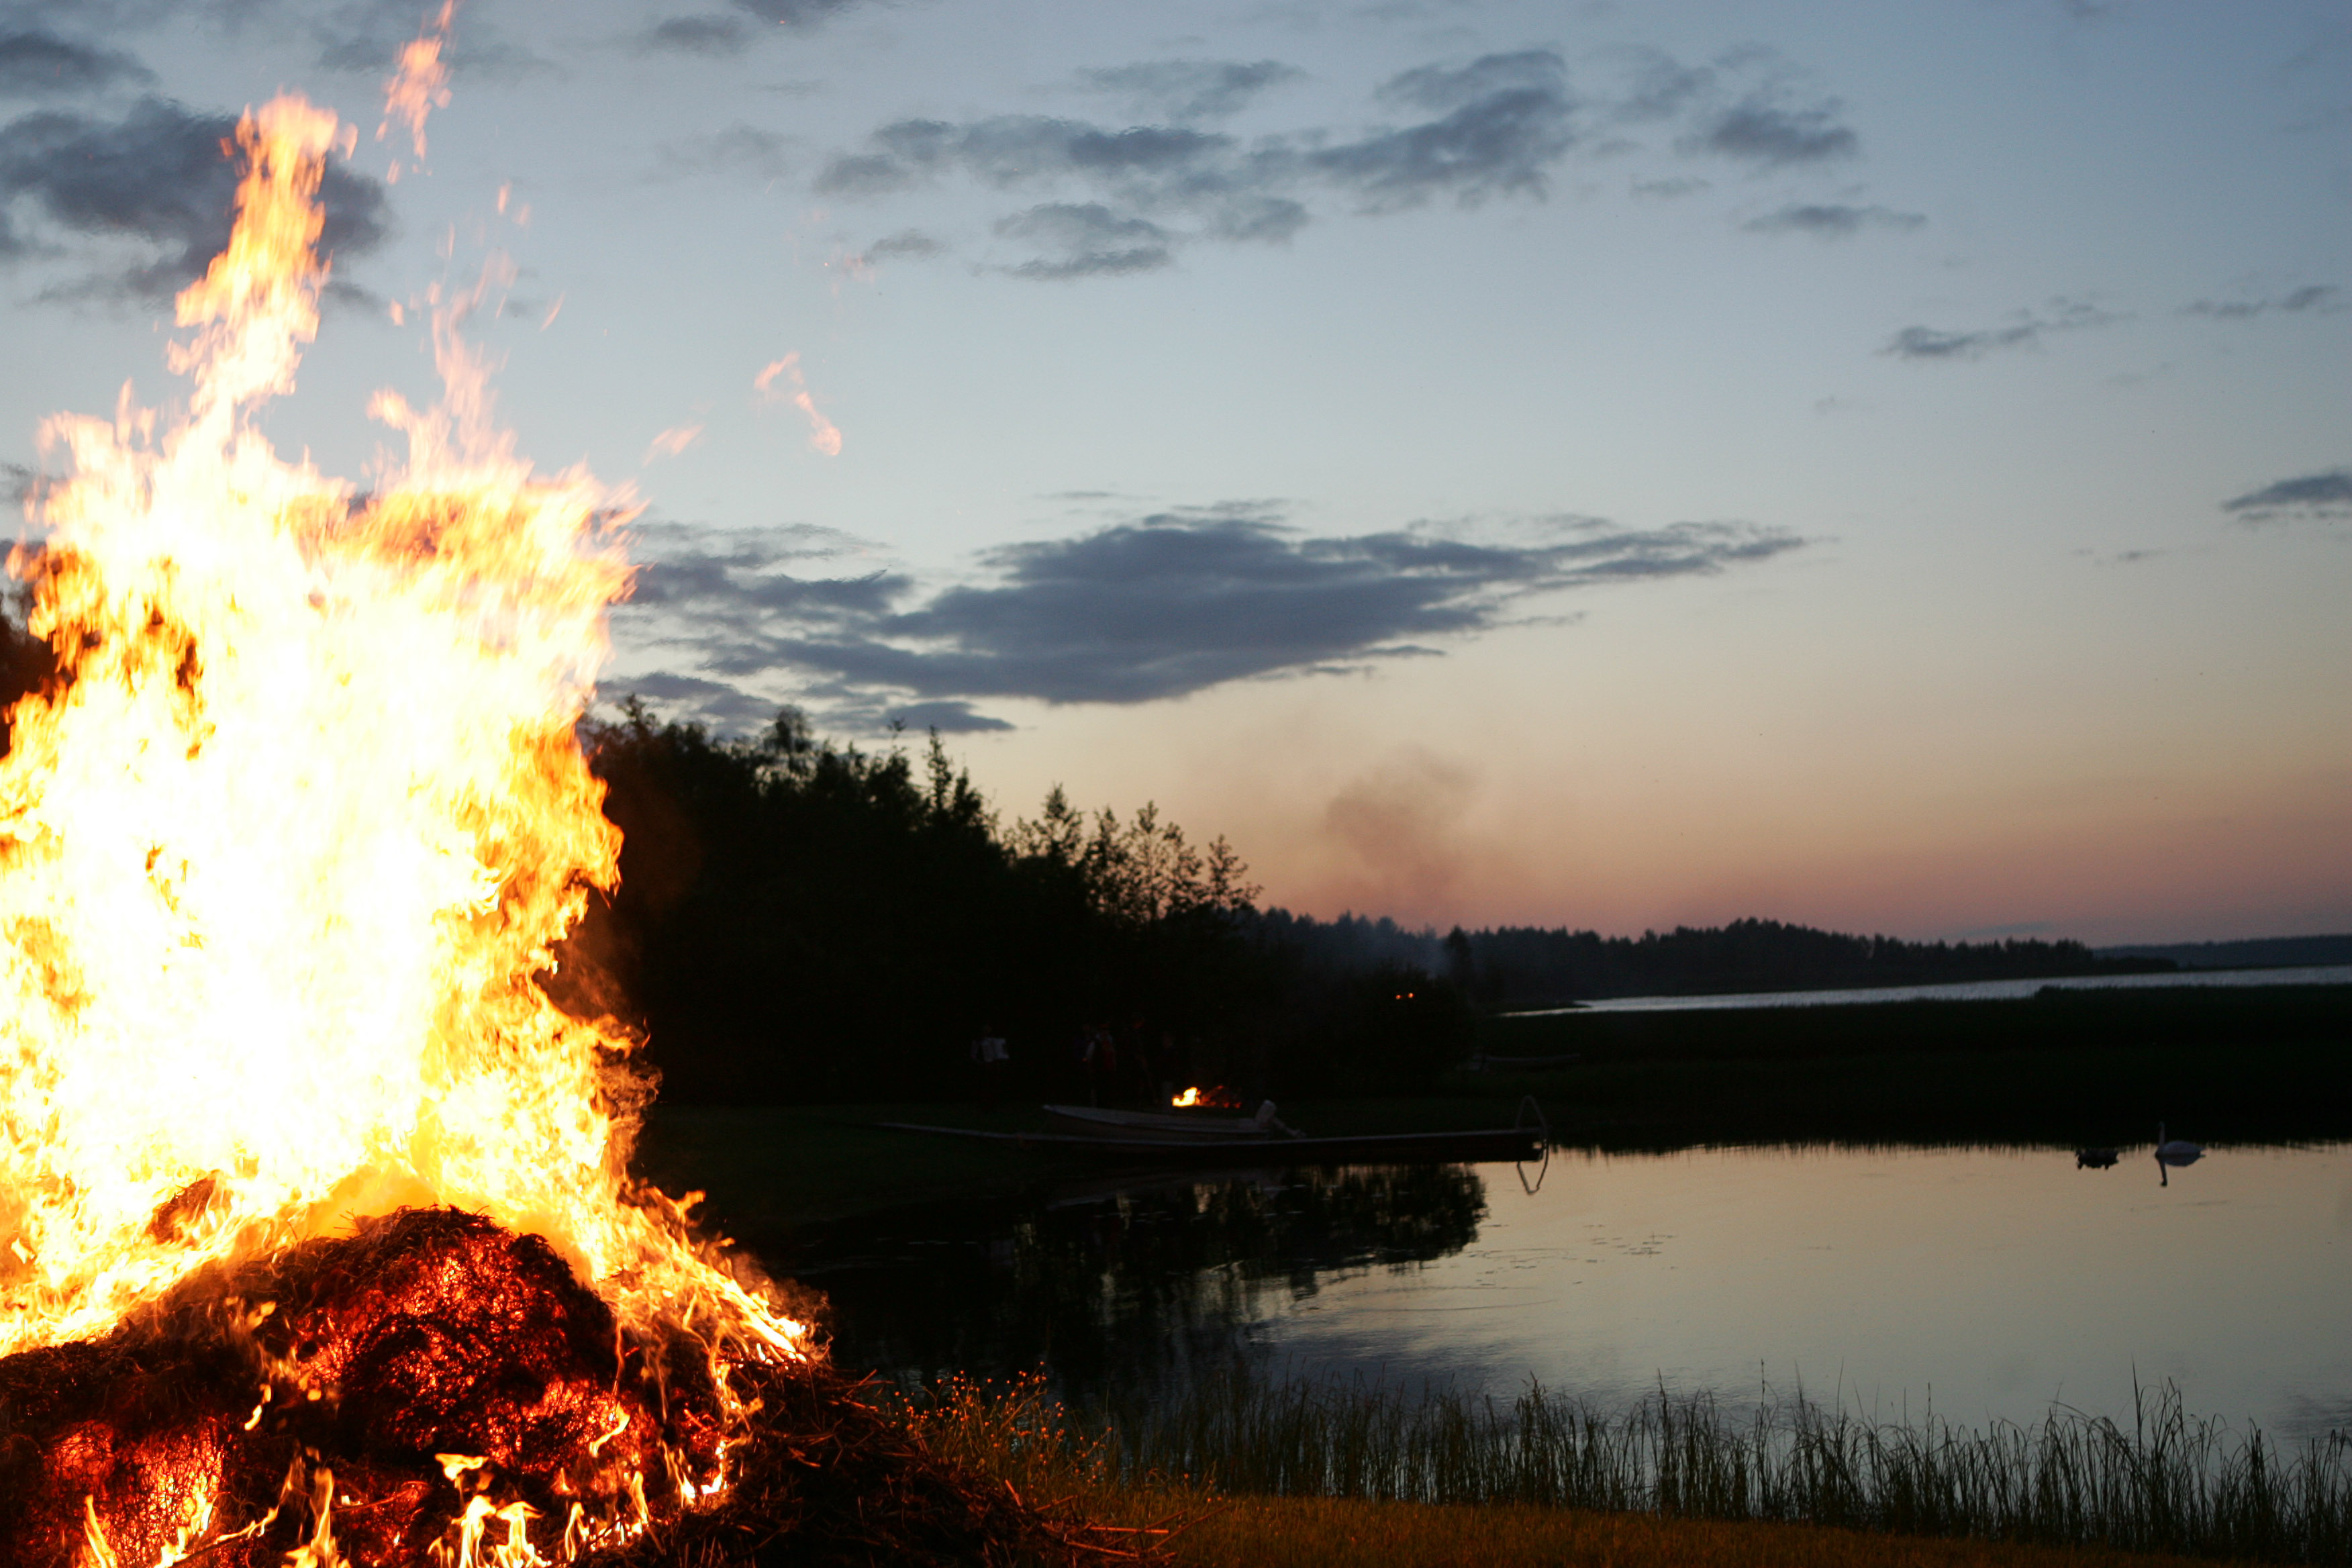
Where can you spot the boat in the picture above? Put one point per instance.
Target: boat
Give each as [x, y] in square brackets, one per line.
[1090, 1121]
[1528, 1138]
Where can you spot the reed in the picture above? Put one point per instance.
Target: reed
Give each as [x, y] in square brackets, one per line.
[2169, 1482]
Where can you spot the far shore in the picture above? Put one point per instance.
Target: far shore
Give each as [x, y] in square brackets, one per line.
[2062, 1070]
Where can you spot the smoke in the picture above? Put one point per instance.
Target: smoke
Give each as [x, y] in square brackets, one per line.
[1402, 821]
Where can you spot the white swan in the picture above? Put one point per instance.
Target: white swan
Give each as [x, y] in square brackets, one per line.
[2170, 1151]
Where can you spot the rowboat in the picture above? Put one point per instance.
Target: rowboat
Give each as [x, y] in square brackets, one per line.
[1528, 1138]
[1089, 1122]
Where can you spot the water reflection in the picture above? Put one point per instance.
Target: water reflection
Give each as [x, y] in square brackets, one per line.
[1987, 1282]
[1122, 1287]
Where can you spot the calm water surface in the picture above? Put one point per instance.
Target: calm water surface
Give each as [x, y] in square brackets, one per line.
[1992, 1281]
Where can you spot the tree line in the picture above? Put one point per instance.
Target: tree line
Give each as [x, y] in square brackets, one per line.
[802, 919]
[1518, 967]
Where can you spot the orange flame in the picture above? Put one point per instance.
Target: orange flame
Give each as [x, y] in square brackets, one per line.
[420, 86]
[823, 435]
[285, 847]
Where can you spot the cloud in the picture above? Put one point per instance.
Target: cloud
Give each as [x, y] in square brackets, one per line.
[32, 62]
[17, 484]
[2314, 298]
[1504, 120]
[1148, 609]
[947, 718]
[1932, 344]
[912, 244]
[157, 176]
[1189, 90]
[795, 13]
[708, 35]
[2321, 497]
[1093, 242]
[712, 701]
[1832, 220]
[1493, 127]
[1760, 130]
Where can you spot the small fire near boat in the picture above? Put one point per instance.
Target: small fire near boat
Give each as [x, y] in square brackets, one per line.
[1184, 1126]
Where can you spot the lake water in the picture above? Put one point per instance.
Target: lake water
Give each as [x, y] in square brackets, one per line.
[1992, 1281]
[1965, 991]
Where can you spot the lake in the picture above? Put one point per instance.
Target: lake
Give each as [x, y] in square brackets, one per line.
[1990, 1281]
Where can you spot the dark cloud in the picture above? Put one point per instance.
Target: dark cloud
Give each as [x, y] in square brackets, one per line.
[1762, 131]
[1090, 240]
[713, 701]
[702, 35]
[2313, 299]
[911, 243]
[1189, 90]
[1832, 220]
[1930, 343]
[1504, 120]
[1016, 149]
[1497, 124]
[947, 718]
[34, 62]
[158, 176]
[1148, 609]
[795, 13]
[2320, 496]
[1442, 89]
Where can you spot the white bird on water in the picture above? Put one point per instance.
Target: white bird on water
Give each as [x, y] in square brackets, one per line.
[2170, 1151]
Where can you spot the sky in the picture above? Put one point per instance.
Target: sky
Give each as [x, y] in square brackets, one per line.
[1886, 468]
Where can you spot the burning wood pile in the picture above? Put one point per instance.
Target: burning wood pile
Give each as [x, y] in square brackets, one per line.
[318, 1244]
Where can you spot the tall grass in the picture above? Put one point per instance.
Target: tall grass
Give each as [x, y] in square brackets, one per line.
[2169, 1482]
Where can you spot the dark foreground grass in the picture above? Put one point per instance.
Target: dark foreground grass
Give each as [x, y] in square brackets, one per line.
[2168, 1484]
[1339, 1532]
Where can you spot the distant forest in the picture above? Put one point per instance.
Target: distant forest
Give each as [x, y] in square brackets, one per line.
[1513, 967]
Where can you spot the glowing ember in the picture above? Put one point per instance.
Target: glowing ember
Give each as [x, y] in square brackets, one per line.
[1217, 1099]
[281, 854]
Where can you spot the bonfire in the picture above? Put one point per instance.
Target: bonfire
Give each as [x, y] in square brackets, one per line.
[318, 1238]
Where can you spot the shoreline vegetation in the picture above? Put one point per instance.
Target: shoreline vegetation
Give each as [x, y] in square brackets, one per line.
[1261, 1472]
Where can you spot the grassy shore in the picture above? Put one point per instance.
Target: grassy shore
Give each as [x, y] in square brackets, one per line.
[1337, 1532]
[1291, 1473]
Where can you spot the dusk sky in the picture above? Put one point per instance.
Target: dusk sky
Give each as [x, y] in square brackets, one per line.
[1883, 467]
